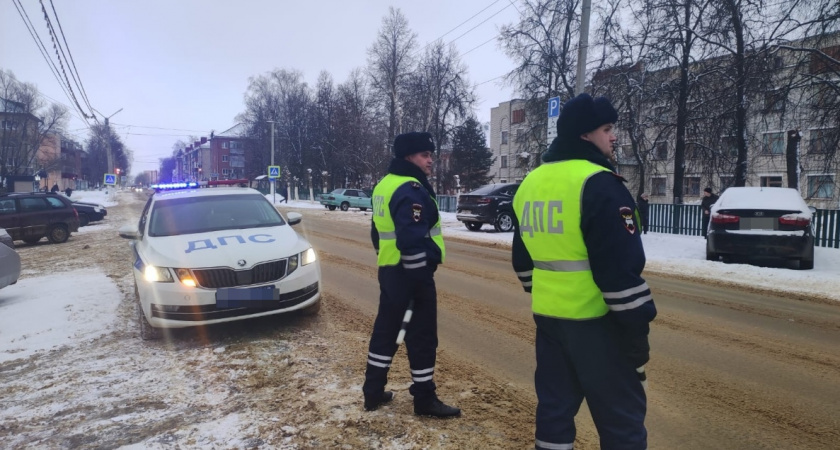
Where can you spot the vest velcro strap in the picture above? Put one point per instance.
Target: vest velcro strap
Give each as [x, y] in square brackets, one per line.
[387, 235]
[627, 292]
[563, 265]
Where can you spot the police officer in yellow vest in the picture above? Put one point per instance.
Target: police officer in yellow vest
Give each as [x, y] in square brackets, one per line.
[407, 236]
[578, 249]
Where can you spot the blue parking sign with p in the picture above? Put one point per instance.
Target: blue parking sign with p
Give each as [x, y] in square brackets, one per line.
[554, 107]
[273, 171]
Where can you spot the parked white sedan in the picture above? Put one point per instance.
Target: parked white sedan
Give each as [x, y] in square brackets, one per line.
[218, 254]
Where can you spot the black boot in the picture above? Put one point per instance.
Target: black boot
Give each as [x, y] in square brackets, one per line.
[373, 402]
[435, 408]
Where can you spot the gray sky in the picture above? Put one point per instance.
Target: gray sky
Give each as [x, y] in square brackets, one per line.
[182, 66]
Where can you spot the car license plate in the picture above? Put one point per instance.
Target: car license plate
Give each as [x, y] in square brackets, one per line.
[466, 211]
[256, 297]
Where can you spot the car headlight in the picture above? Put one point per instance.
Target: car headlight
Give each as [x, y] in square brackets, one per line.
[157, 274]
[186, 277]
[308, 257]
[293, 264]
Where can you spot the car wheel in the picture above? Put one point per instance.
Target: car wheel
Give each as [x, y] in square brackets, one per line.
[504, 222]
[58, 234]
[473, 226]
[31, 240]
[331, 207]
[147, 331]
[711, 256]
[345, 206]
[84, 220]
[311, 310]
[362, 209]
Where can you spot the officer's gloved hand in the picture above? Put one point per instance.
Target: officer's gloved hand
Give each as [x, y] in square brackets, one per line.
[638, 350]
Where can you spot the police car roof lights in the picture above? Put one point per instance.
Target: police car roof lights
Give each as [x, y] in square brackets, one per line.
[198, 184]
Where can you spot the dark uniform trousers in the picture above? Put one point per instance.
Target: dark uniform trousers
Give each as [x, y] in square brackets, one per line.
[421, 341]
[577, 358]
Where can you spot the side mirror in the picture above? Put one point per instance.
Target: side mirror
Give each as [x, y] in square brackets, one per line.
[294, 218]
[812, 209]
[129, 232]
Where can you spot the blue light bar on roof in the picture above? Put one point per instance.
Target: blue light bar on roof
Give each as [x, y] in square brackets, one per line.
[163, 186]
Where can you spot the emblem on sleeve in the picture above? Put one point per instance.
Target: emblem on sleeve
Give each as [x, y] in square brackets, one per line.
[416, 209]
[415, 185]
[627, 217]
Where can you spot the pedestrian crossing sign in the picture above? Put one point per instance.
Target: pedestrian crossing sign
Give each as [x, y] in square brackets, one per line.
[273, 171]
[110, 179]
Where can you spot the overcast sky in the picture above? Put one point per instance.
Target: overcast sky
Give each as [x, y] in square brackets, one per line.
[180, 68]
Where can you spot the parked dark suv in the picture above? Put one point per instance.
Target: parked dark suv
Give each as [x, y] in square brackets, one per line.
[491, 203]
[30, 216]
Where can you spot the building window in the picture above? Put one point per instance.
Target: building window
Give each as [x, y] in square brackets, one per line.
[820, 186]
[660, 113]
[520, 134]
[691, 186]
[773, 143]
[771, 181]
[658, 187]
[726, 182]
[660, 150]
[504, 137]
[503, 180]
[225, 144]
[225, 172]
[224, 158]
[235, 145]
[774, 101]
[518, 116]
[822, 141]
[504, 161]
[729, 146]
[692, 150]
[821, 64]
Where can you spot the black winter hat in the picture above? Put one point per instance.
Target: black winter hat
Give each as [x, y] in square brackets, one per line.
[582, 114]
[708, 189]
[414, 142]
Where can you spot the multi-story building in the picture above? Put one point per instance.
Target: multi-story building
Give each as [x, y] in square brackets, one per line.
[222, 157]
[509, 129]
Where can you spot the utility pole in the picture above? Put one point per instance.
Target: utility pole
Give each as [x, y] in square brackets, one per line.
[273, 181]
[109, 155]
[583, 46]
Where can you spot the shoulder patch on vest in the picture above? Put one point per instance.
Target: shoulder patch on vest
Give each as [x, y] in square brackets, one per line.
[415, 185]
[626, 214]
[416, 209]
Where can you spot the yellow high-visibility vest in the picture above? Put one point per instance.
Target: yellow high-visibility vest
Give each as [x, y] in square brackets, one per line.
[548, 207]
[389, 255]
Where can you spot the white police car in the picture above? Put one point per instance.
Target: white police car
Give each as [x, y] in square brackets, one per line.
[218, 254]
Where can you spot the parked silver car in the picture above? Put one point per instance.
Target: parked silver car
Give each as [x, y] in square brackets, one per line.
[9, 260]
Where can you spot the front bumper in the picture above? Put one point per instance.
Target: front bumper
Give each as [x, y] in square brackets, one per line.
[172, 305]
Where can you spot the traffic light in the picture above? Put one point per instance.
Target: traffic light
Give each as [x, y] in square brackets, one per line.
[118, 171]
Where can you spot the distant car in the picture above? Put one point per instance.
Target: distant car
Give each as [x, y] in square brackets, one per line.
[31, 216]
[89, 212]
[491, 203]
[9, 260]
[346, 199]
[210, 255]
[761, 221]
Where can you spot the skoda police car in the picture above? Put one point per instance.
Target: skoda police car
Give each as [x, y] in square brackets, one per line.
[206, 255]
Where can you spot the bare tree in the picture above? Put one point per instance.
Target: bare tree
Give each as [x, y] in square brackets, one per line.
[390, 61]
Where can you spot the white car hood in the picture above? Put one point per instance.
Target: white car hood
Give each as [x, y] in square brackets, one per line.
[223, 248]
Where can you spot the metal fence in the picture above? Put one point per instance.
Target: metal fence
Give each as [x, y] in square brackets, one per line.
[447, 203]
[688, 220]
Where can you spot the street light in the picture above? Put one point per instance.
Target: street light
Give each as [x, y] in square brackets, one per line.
[324, 177]
[309, 175]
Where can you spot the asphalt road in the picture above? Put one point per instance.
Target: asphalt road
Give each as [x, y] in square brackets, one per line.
[729, 368]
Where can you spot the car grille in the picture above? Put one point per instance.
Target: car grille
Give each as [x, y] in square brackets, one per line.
[227, 277]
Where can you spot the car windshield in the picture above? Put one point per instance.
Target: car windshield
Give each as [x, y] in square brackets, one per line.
[172, 217]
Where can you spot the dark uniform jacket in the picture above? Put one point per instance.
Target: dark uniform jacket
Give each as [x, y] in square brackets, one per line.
[616, 255]
[415, 212]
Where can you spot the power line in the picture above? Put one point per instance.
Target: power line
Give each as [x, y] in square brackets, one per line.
[72, 61]
[459, 25]
[58, 52]
[158, 128]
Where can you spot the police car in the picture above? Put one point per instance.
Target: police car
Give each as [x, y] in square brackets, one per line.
[206, 255]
